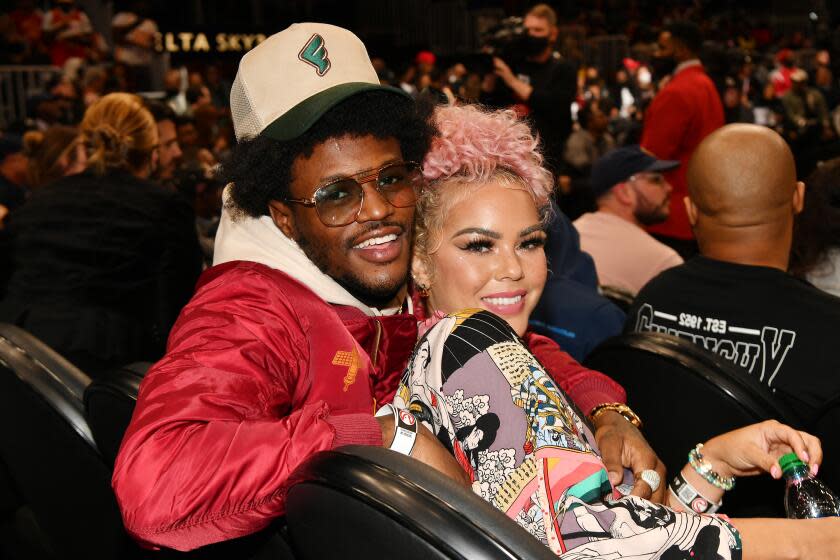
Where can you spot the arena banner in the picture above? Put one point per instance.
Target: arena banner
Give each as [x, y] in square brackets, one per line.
[207, 42]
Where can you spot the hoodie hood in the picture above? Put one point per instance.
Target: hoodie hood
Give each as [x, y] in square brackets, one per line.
[259, 240]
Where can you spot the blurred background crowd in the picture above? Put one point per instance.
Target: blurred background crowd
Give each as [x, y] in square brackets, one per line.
[773, 64]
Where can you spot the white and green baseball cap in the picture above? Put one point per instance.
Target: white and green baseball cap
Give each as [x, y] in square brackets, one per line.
[287, 82]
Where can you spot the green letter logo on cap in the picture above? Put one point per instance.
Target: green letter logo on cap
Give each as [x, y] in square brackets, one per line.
[314, 52]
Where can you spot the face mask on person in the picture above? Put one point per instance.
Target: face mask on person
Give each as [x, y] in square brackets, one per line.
[533, 46]
[662, 66]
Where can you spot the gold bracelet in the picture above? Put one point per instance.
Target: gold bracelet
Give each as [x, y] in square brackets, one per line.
[621, 408]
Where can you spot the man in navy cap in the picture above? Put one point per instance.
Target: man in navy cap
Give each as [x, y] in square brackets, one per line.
[631, 193]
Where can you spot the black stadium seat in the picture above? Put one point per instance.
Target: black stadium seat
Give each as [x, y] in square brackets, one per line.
[686, 395]
[322, 485]
[370, 502]
[827, 428]
[49, 451]
[622, 299]
[109, 404]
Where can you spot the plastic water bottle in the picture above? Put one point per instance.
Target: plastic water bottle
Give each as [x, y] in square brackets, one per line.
[805, 496]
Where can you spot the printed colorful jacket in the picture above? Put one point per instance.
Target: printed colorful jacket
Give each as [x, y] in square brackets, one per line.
[586, 387]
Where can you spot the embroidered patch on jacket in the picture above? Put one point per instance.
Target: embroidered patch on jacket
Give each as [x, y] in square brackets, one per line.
[351, 361]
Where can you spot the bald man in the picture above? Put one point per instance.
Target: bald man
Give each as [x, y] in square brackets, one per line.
[736, 298]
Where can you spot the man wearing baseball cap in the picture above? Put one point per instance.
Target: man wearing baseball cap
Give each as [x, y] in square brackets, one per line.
[301, 329]
[631, 193]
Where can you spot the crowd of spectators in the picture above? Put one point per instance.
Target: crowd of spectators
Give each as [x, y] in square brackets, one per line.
[588, 85]
[783, 80]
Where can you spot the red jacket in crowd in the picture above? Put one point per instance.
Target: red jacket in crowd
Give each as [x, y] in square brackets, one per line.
[681, 115]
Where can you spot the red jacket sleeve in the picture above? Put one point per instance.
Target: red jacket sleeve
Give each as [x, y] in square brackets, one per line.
[586, 387]
[216, 431]
[667, 120]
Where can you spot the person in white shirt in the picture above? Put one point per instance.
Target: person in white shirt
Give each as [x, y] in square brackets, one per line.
[631, 193]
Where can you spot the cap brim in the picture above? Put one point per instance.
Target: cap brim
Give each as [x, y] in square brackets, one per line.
[663, 165]
[302, 116]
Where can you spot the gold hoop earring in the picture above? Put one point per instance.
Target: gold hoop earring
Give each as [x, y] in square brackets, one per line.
[422, 290]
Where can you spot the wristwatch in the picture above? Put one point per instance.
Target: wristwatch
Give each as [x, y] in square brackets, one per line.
[621, 408]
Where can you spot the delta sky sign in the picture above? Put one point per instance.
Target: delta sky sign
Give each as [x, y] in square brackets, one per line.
[210, 43]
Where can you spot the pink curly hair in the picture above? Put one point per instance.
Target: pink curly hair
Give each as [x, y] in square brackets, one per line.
[475, 146]
[474, 143]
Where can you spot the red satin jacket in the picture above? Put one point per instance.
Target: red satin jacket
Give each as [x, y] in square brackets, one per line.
[681, 115]
[259, 374]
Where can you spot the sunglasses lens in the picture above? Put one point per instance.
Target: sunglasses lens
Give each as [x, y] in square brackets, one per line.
[338, 203]
[398, 184]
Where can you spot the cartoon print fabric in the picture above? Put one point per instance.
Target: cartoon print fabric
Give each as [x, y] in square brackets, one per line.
[530, 453]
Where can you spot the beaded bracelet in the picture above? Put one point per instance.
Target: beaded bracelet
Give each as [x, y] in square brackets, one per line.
[704, 469]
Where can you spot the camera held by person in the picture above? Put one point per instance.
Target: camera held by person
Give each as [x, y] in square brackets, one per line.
[512, 42]
[528, 74]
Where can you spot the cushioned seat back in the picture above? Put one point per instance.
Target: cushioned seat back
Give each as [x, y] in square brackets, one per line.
[686, 395]
[827, 428]
[621, 298]
[370, 502]
[109, 404]
[50, 453]
[10, 499]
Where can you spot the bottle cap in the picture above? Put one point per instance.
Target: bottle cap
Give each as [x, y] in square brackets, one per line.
[790, 461]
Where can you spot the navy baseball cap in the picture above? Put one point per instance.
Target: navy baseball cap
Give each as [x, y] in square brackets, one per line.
[620, 164]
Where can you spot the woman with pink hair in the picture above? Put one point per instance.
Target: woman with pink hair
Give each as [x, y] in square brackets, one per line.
[482, 157]
[479, 237]
[503, 400]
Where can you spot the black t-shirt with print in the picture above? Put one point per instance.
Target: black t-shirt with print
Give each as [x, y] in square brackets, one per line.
[783, 331]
